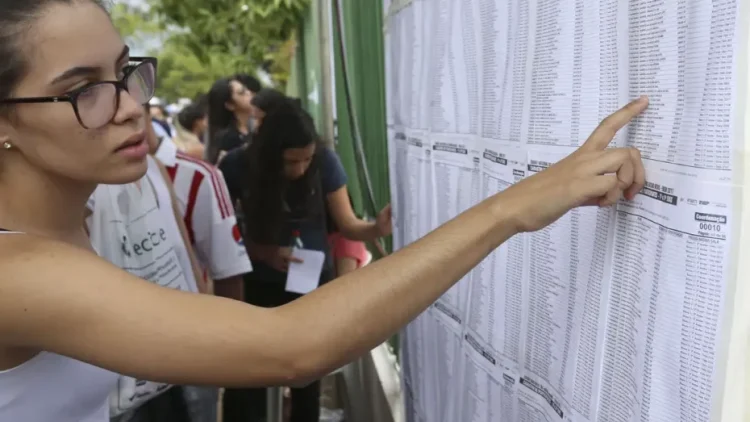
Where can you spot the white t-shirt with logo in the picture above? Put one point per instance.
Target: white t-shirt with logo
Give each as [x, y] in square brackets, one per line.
[133, 226]
[203, 201]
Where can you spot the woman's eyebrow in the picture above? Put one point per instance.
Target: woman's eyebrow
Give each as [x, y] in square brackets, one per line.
[87, 70]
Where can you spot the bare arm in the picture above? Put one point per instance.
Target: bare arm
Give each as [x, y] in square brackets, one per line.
[351, 226]
[220, 341]
[224, 342]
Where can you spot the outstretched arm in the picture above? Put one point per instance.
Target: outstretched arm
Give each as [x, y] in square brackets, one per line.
[136, 328]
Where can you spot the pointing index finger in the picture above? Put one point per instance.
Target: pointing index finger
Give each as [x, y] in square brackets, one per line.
[607, 129]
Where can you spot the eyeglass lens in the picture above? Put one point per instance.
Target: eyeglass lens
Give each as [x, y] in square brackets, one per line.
[98, 104]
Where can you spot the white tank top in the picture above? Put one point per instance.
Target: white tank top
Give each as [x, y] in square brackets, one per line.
[50, 387]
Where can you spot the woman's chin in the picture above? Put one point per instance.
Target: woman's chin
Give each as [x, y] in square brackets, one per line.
[132, 172]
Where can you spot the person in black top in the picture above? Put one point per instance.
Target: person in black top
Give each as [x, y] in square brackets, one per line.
[229, 111]
[286, 181]
[264, 101]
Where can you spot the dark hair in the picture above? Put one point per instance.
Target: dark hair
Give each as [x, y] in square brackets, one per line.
[201, 102]
[219, 117]
[15, 19]
[268, 99]
[286, 126]
[189, 116]
[250, 82]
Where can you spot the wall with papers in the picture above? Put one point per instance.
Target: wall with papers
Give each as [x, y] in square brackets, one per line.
[610, 314]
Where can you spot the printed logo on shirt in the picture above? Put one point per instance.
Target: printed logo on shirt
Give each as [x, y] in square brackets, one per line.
[237, 235]
[147, 244]
[129, 229]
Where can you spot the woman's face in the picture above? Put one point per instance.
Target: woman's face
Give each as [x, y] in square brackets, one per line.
[297, 161]
[61, 57]
[241, 97]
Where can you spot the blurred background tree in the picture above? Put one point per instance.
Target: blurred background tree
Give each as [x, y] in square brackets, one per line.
[199, 41]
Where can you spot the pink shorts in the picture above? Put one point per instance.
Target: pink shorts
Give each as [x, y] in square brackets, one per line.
[342, 247]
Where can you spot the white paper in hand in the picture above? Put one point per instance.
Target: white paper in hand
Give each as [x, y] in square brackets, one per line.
[304, 277]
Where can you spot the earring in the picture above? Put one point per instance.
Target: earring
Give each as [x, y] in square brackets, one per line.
[7, 145]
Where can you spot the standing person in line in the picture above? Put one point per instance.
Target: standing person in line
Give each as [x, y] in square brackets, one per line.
[202, 202]
[192, 125]
[138, 227]
[289, 183]
[263, 101]
[254, 86]
[229, 113]
[72, 117]
[205, 206]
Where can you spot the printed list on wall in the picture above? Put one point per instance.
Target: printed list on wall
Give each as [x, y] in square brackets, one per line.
[610, 314]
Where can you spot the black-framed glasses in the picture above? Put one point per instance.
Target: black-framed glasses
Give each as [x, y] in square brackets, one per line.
[96, 104]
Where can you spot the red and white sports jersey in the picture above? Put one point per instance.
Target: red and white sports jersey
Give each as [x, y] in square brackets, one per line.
[209, 216]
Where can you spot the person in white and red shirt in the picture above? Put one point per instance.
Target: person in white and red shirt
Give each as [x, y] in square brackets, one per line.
[203, 203]
[209, 217]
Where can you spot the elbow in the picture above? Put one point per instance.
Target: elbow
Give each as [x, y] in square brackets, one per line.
[304, 368]
[306, 361]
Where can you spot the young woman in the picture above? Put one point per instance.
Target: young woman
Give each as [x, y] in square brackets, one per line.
[229, 112]
[72, 117]
[290, 183]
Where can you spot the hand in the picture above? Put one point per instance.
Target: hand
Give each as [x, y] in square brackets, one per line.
[208, 285]
[281, 258]
[592, 175]
[384, 221]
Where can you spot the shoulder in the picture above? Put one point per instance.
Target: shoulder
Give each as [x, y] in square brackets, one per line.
[191, 173]
[330, 163]
[27, 260]
[332, 171]
[195, 165]
[328, 155]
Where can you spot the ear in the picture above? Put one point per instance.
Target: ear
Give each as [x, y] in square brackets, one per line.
[6, 131]
[229, 106]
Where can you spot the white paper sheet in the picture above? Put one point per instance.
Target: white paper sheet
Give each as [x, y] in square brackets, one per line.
[608, 314]
[685, 62]
[569, 267]
[304, 277]
[497, 293]
[666, 299]
[457, 182]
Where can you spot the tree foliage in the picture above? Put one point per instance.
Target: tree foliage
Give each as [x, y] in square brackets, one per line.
[254, 33]
[209, 39]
